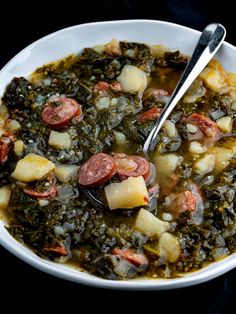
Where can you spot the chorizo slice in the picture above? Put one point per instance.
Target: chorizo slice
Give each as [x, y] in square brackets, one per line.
[97, 170]
[138, 259]
[207, 126]
[58, 249]
[131, 166]
[41, 195]
[5, 147]
[58, 113]
[149, 115]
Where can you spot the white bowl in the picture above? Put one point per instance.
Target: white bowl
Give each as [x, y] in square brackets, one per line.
[73, 40]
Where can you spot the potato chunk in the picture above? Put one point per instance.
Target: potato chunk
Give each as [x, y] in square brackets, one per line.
[129, 193]
[225, 124]
[197, 148]
[65, 172]
[149, 224]
[32, 167]
[59, 139]
[169, 247]
[166, 164]
[214, 76]
[19, 147]
[132, 79]
[205, 164]
[5, 196]
[222, 157]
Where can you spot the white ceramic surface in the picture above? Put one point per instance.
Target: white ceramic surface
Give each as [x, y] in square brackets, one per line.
[73, 40]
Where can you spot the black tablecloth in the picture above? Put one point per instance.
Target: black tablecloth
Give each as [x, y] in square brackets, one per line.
[18, 281]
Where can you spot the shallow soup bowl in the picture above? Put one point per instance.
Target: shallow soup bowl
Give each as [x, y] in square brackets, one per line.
[73, 40]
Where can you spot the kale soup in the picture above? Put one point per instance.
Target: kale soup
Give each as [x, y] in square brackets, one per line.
[78, 125]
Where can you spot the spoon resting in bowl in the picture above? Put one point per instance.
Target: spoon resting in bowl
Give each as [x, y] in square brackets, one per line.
[209, 42]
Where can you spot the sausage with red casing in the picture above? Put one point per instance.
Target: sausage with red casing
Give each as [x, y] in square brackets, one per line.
[207, 126]
[137, 259]
[131, 166]
[149, 115]
[58, 113]
[97, 170]
[41, 195]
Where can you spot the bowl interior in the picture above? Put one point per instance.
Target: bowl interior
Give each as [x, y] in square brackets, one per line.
[73, 40]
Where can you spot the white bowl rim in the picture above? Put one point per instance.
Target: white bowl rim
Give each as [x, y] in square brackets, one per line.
[210, 272]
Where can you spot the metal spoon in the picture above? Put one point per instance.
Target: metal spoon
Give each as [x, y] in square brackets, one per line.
[208, 44]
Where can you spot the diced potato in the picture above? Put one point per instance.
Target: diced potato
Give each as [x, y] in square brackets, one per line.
[222, 157]
[170, 128]
[132, 79]
[19, 147]
[12, 125]
[2, 122]
[232, 93]
[5, 196]
[99, 48]
[166, 164]
[169, 247]
[113, 48]
[205, 164]
[233, 105]
[197, 148]
[159, 50]
[149, 224]
[59, 139]
[65, 172]
[212, 79]
[4, 112]
[231, 79]
[32, 167]
[214, 76]
[129, 193]
[225, 124]
[3, 117]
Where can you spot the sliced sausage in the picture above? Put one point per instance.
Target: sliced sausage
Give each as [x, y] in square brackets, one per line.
[97, 170]
[41, 195]
[170, 184]
[58, 113]
[190, 200]
[131, 166]
[156, 94]
[58, 249]
[207, 126]
[150, 115]
[138, 259]
[184, 201]
[5, 147]
[102, 88]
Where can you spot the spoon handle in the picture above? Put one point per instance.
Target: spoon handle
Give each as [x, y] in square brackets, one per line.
[208, 44]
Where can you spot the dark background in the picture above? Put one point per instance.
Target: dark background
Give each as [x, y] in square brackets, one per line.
[20, 284]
